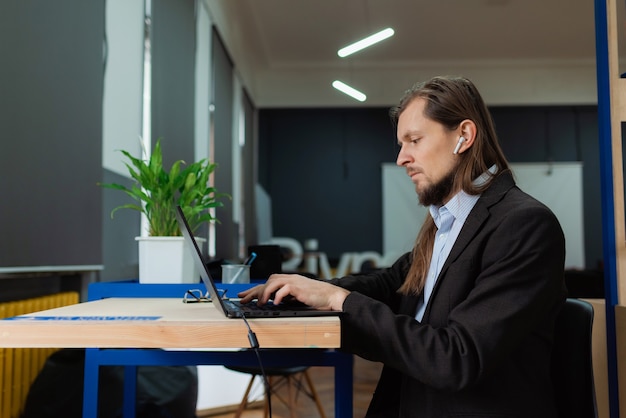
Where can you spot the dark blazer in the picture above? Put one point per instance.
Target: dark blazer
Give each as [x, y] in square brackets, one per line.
[483, 346]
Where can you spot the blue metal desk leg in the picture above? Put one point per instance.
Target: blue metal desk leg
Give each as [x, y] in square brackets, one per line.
[343, 386]
[130, 391]
[90, 390]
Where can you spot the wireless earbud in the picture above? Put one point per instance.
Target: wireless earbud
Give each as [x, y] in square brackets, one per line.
[458, 145]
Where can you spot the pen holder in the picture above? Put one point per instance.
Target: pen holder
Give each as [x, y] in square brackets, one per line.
[235, 273]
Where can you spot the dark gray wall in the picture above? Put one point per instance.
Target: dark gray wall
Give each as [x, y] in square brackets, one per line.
[321, 168]
[250, 168]
[173, 78]
[51, 80]
[222, 127]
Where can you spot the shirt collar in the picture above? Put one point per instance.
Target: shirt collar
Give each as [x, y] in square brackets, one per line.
[461, 204]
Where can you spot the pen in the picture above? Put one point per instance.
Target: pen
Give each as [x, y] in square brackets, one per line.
[248, 261]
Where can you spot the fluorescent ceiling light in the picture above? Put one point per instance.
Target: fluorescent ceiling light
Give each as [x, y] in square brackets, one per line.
[364, 43]
[344, 88]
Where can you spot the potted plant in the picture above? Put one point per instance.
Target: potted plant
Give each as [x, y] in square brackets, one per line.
[163, 255]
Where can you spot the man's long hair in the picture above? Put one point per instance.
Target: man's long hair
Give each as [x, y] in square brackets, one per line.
[449, 101]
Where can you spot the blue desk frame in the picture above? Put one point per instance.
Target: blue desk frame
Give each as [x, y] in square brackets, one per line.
[130, 358]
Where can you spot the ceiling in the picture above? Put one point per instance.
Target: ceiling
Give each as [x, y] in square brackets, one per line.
[285, 51]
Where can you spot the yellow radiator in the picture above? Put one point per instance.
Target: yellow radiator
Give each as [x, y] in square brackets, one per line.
[20, 366]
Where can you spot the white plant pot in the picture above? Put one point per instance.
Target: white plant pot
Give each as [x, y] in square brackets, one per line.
[167, 260]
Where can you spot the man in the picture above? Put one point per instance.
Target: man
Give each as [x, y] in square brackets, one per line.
[464, 323]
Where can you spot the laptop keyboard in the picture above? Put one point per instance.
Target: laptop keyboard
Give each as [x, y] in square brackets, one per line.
[268, 309]
[252, 306]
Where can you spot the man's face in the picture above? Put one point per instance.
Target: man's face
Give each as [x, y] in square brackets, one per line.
[426, 152]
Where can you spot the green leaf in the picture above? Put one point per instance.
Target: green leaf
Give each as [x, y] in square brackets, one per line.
[157, 192]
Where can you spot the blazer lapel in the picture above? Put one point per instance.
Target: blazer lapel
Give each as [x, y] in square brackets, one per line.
[474, 221]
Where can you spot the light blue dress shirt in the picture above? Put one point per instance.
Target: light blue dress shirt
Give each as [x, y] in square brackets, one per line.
[449, 219]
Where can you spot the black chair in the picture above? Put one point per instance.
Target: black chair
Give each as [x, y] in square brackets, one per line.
[588, 284]
[296, 379]
[572, 368]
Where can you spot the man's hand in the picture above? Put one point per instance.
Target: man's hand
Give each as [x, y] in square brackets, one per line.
[281, 287]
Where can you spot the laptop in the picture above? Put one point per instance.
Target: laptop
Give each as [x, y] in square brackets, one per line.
[232, 308]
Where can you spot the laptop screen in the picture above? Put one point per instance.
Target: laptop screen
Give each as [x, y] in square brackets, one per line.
[197, 256]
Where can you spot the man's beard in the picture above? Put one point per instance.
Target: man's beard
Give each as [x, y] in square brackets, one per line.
[435, 194]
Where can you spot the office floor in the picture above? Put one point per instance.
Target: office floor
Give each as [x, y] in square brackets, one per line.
[366, 375]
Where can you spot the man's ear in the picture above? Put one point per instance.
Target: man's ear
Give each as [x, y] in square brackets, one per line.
[467, 129]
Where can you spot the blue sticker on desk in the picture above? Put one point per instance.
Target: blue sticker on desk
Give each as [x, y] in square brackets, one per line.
[84, 318]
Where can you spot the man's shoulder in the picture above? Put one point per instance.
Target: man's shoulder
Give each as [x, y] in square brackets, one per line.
[504, 192]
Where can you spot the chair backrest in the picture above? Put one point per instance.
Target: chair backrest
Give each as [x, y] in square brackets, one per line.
[572, 368]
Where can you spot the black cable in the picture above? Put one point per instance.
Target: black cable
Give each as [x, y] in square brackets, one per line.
[254, 343]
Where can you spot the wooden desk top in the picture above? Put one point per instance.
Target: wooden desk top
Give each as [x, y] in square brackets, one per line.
[160, 323]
